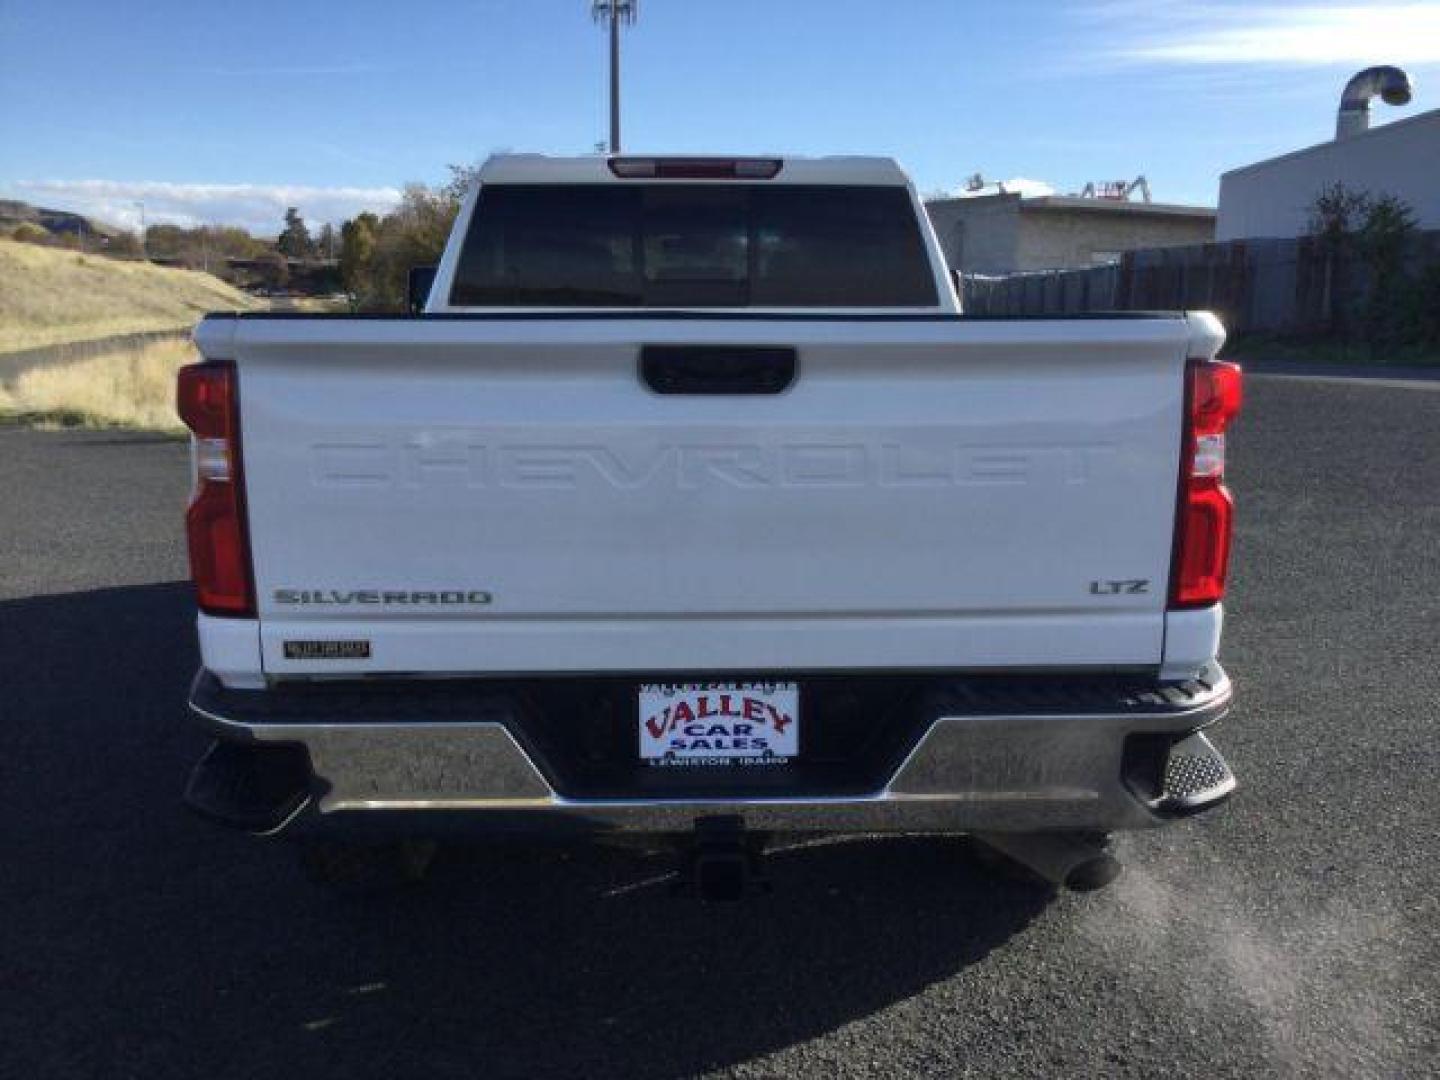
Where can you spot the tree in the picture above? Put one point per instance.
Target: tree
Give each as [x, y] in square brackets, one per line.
[376, 254]
[1337, 212]
[414, 234]
[124, 245]
[1384, 239]
[295, 240]
[1366, 238]
[204, 247]
[357, 252]
[461, 177]
[325, 243]
[27, 232]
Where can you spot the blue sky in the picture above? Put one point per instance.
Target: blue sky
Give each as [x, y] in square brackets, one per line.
[229, 112]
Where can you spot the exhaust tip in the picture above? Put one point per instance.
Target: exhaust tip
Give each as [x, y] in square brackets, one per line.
[1080, 862]
[1093, 874]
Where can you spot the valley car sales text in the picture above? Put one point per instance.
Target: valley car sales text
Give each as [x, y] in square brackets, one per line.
[734, 723]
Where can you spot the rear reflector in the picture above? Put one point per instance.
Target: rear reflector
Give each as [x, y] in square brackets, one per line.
[208, 402]
[696, 168]
[1205, 516]
[1214, 396]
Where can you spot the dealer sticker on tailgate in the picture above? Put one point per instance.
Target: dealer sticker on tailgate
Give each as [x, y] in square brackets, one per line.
[719, 723]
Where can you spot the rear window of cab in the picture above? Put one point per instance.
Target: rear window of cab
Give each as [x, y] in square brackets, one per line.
[693, 245]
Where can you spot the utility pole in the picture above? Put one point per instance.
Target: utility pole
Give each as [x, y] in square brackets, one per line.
[144, 250]
[613, 12]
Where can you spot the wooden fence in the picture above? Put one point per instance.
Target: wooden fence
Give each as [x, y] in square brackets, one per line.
[1298, 286]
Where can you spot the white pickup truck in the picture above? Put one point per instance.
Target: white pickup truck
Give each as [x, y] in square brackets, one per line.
[692, 505]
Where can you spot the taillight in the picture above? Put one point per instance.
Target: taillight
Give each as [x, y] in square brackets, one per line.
[1204, 522]
[208, 402]
[629, 168]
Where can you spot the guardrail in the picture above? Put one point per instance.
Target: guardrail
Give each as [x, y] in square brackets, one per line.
[17, 363]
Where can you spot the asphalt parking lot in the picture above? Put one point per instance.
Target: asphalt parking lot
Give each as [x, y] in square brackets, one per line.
[1295, 932]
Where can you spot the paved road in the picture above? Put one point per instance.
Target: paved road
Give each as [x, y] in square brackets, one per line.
[1292, 933]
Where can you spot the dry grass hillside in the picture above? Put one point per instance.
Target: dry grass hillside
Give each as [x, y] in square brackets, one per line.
[127, 388]
[49, 296]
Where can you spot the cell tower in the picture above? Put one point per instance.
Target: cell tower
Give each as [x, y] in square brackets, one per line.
[612, 13]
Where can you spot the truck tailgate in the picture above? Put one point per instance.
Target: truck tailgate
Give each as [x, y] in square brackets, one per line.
[506, 494]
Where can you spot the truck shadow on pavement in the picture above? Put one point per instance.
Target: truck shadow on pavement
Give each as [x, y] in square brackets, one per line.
[141, 941]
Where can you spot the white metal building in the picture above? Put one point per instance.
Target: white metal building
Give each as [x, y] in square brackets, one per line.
[1273, 198]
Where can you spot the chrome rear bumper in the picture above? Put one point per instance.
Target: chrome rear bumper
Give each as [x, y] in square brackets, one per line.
[970, 771]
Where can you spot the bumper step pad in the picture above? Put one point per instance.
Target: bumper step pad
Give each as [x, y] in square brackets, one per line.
[1196, 777]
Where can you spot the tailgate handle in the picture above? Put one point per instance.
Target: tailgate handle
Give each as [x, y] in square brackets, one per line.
[717, 369]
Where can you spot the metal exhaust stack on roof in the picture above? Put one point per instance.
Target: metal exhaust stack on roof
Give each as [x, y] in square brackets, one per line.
[1390, 83]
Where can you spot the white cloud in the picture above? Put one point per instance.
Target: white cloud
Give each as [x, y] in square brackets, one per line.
[257, 207]
[1281, 34]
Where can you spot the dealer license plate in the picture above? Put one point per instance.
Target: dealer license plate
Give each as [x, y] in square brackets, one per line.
[698, 724]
